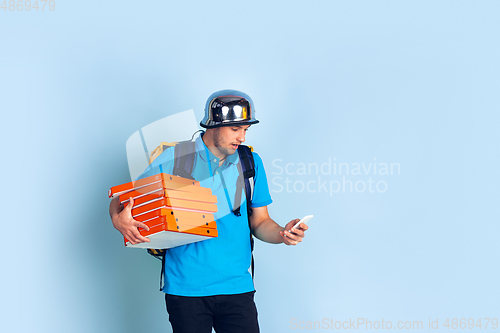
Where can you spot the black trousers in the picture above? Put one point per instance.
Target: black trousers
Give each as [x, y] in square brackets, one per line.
[225, 313]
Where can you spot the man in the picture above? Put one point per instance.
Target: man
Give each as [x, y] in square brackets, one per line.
[208, 283]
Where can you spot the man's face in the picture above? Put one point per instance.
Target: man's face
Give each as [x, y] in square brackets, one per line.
[228, 138]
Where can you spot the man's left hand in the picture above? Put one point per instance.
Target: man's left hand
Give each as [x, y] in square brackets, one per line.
[293, 236]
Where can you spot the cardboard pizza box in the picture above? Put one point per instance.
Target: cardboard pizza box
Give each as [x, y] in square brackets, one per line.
[177, 210]
[165, 233]
[175, 182]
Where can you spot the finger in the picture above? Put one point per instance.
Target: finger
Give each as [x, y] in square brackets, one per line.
[297, 232]
[294, 232]
[140, 237]
[285, 239]
[132, 238]
[141, 225]
[294, 222]
[287, 233]
[293, 237]
[289, 241]
[133, 234]
[137, 237]
[302, 227]
[130, 203]
[291, 224]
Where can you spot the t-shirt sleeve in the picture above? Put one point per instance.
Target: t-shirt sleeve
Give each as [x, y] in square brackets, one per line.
[163, 163]
[261, 195]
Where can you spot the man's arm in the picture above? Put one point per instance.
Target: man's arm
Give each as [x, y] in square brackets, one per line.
[124, 223]
[265, 229]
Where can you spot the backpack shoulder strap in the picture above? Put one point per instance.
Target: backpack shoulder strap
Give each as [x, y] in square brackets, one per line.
[248, 173]
[184, 159]
[247, 180]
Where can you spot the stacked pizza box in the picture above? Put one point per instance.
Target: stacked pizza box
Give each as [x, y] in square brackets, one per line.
[177, 210]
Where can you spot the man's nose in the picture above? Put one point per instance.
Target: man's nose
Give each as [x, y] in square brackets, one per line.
[241, 136]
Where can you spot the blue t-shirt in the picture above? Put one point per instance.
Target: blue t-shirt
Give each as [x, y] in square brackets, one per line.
[219, 265]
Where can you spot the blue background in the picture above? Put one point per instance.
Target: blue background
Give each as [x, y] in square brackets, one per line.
[408, 82]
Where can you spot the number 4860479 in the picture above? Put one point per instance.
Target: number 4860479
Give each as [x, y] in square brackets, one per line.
[27, 5]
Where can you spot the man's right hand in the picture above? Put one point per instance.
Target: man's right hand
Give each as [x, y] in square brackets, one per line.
[124, 222]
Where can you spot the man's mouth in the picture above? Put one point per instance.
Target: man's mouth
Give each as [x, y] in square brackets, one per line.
[234, 146]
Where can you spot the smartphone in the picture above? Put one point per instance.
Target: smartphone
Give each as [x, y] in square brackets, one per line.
[304, 220]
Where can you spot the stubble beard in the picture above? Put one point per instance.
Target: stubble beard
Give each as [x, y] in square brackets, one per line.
[218, 143]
